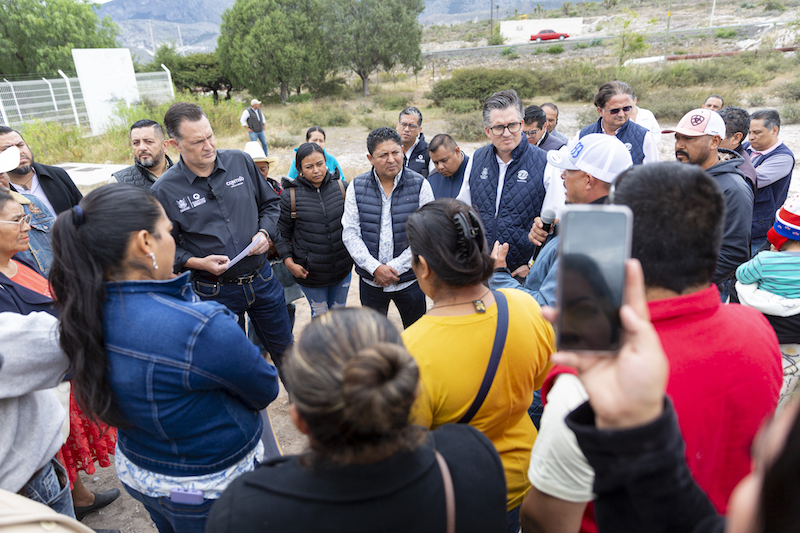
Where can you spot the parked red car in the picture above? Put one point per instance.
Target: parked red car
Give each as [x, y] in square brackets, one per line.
[548, 35]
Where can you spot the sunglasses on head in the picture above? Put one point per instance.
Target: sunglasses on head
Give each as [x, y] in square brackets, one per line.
[616, 110]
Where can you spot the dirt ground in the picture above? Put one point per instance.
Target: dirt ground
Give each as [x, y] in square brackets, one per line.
[348, 145]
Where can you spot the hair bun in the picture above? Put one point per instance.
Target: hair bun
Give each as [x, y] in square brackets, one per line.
[378, 388]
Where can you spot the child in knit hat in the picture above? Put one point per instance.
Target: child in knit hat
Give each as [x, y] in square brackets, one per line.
[777, 271]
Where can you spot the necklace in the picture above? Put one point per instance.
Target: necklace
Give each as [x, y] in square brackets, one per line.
[480, 307]
[26, 185]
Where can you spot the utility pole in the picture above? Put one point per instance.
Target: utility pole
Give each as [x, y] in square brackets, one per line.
[713, 7]
[491, 20]
[666, 38]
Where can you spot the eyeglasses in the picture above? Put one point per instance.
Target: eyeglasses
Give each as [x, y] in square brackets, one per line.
[21, 222]
[407, 126]
[530, 133]
[514, 127]
[626, 109]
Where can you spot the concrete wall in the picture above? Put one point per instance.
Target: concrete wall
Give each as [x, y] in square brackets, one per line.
[520, 31]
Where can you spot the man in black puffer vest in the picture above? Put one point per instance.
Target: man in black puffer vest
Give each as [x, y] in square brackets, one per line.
[374, 227]
[149, 156]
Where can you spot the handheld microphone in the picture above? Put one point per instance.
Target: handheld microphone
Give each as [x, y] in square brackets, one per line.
[548, 217]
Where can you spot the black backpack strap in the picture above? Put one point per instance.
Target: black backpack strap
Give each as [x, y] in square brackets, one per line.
[494, 361]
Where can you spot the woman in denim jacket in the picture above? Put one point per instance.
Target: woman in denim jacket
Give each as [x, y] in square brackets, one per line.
[175, 374]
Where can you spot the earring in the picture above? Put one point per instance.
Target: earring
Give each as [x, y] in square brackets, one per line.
[153, 257]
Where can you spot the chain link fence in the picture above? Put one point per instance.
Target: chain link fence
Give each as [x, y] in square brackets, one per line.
[61, 99]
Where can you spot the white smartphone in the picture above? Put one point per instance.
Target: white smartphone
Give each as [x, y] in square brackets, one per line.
[594, 243]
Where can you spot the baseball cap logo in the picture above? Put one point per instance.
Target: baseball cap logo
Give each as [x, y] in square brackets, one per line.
[576, 151]
[696, 120]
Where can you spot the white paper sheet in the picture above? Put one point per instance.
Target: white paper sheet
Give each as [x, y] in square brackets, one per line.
[244, 252]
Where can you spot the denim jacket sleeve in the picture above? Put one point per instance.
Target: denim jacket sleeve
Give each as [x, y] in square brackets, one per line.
[541, 280]
[223, 358]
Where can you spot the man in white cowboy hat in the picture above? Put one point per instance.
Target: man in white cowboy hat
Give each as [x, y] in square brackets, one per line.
[264, 162]
[254, 122]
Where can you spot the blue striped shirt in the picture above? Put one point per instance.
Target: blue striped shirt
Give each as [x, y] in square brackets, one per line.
[775, 272]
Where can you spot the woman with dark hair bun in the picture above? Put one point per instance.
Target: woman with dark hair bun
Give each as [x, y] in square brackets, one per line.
[176, 375]
[316, 135]
[473, 338]
[310, 241]
[351, 385]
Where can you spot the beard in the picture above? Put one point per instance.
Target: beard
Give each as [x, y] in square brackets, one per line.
[21, 171]
[152, 161]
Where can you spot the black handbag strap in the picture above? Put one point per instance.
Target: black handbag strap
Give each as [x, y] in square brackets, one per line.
[494, 361]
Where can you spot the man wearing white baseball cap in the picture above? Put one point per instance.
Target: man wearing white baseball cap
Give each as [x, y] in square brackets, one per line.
[697, 139]
[253, 121]
[589, 166]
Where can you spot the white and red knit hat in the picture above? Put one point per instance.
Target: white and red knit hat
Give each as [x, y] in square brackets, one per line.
[787, 224]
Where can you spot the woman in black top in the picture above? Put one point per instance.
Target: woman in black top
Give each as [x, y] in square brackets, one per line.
[351, 384]
[310, 225]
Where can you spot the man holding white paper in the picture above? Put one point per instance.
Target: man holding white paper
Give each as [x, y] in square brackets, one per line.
[219, 205]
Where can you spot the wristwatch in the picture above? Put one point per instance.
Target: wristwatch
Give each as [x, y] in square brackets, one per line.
[503, 269]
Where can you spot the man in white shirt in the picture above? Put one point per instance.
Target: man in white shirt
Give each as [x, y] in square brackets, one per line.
[253, 120]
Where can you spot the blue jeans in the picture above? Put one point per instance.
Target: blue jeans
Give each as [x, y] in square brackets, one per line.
[513, 520]
[757, 245]
[260, 136]
[321, 299]
[51, 487]
[410, 301]
[171, 517]
[262, 299]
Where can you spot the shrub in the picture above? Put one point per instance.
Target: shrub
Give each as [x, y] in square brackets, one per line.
[774, 5]
[460, 105]
[725, 33]
[466, 127]
[282, 141]
[509, 50]
[392, 100]
[597, 41]
[577, 91]
[481, 83]
[555, 49]
[299, 98]
[672, 104]
[756, 100]
[587, 116]
[790, 91]
[748, 5]
[321, 114]
[370, 122]
[581, 46]
[790, 114]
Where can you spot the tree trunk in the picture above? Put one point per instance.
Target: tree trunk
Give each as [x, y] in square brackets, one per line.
[365, 84]
[216, 97]
[284, 91]
[299, 88]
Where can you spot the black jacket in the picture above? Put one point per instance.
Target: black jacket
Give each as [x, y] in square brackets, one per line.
[314, 238]
[401, 494]
[14, 298]
[642, 481]
[58, 187]
[738, 194]
[137, 174]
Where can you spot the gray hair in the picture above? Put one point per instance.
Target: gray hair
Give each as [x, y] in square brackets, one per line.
[499, 101]
[770, 117]
[413, 111]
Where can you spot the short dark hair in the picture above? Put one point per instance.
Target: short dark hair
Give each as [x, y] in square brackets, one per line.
[550, 104]
[5, 130]
[770, 117]
[535, 114]
[178, 113]
[499, 101]
[147, 123]
[721, 100]
[609, 90]
[678, 212]
[736, 119]
[440, 140]
[411, 110]
[312, 129]
[451, 238]
[379, 135]
[305, 150]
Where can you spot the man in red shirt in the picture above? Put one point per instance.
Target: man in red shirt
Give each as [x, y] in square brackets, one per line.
[725, 370]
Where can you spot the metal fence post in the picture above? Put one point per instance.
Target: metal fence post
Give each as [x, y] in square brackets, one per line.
[71, 98]
[169, 76]
[3, 112]
[52, 94]
[16, 102]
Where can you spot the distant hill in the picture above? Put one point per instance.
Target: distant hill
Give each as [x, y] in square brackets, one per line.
[198, 20]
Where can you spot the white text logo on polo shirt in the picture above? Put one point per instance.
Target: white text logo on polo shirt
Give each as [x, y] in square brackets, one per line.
[235, 182]
[186, 203]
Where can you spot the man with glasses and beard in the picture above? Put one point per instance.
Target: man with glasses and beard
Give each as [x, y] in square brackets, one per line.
[51, 185]
[614, 102]
[505, 181]
[149, 156]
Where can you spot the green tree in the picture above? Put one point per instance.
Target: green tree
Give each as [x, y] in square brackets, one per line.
[628, 43]
[37, 36]
[366, 34]
[264, 43]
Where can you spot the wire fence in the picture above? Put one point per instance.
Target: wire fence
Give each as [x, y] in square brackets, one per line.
[61, 99]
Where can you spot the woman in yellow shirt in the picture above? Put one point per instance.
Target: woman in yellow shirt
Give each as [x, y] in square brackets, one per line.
[453, 343]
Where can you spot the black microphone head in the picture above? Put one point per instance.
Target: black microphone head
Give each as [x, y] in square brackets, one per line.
[548, 216]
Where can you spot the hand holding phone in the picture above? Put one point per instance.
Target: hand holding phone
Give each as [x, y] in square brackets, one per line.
[594, 244]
